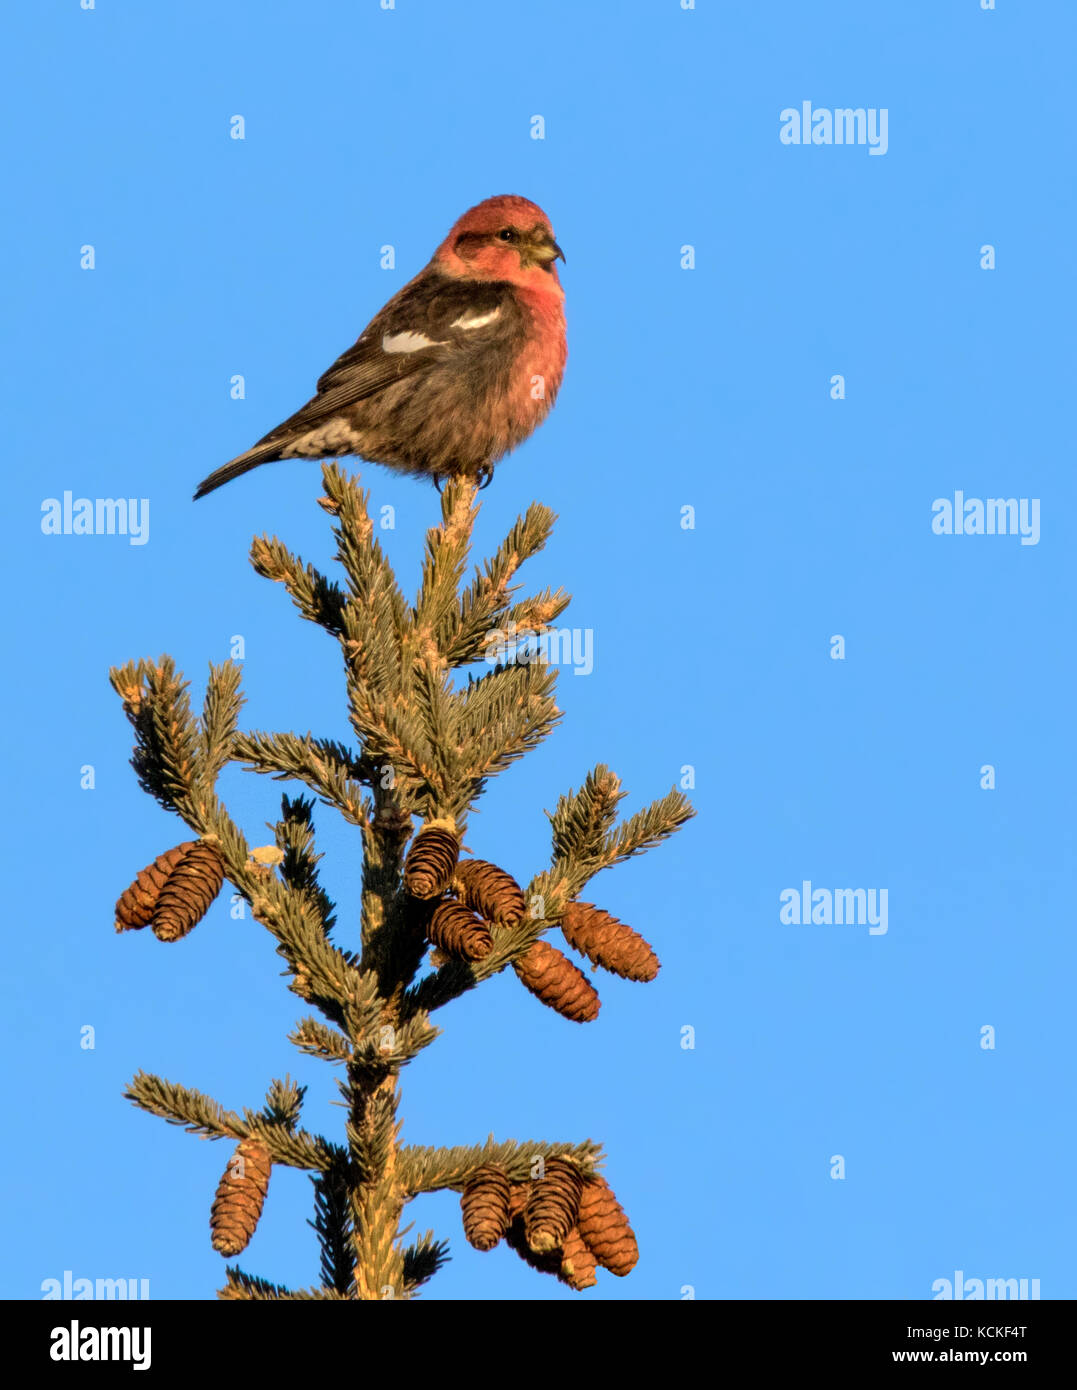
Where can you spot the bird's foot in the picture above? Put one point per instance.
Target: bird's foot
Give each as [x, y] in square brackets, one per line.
[483, 477]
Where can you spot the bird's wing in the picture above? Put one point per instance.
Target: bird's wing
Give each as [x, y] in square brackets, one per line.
[431, 321]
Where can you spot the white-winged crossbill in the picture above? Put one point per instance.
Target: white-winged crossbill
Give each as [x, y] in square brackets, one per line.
[458, 368]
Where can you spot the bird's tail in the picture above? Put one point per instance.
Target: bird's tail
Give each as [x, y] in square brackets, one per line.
[242, 463]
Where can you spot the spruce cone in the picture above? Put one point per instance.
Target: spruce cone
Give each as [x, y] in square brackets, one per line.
[604, 1228]
[573, 1263]
[459, 932]
[186, 897]
[491, 892]
[240, 1195]
[546, 1262]
[553, 978]
[484, 1205]
[608, 942]
[577, 1263]
[137, 906]
[555, 1200]
[431, 860]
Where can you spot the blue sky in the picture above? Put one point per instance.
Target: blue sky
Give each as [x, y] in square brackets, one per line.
[707, 388]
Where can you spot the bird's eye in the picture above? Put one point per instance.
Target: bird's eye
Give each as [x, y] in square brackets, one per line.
[507, 234]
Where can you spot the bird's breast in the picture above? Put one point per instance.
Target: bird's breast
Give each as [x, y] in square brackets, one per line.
[541, 362]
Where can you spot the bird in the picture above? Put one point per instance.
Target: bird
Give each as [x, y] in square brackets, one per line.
[456, 370]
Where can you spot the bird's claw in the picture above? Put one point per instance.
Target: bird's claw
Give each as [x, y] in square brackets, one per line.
[484, 477]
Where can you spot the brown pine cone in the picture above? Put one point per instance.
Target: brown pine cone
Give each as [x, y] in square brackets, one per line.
[573, 1263]
[555, 1200]
[459, 932]
[577, 1263]
[484, 1204]
[137, 906]
[241, 1193]
[608, 942]
[553, 978]
[604, 1228]
[491, 892]
[186, 897]
[546, 1262]
[428, 868]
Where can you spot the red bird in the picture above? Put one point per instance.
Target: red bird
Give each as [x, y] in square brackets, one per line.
[457, 369]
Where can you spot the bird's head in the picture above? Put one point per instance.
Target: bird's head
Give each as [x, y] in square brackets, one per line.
[503, 238]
